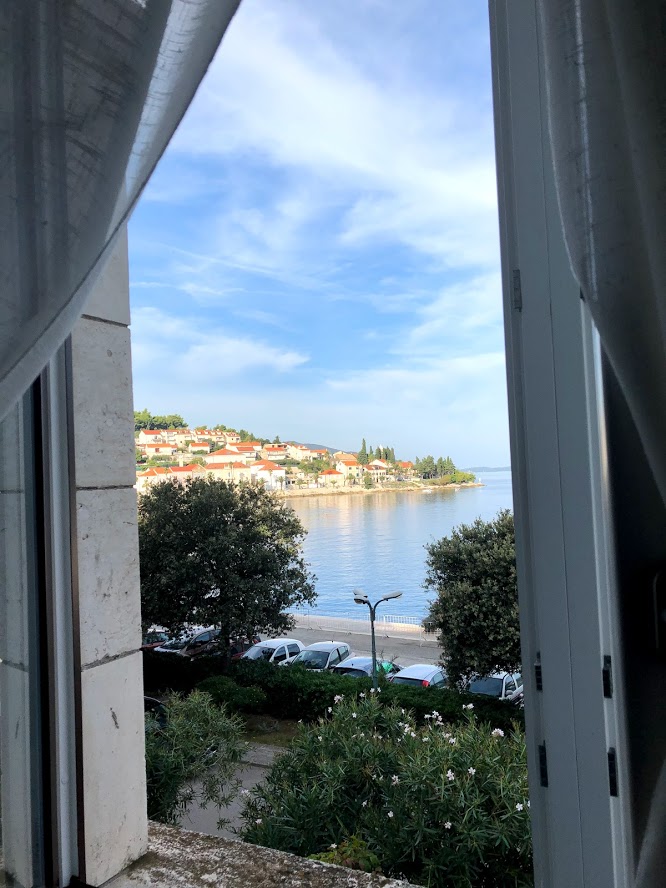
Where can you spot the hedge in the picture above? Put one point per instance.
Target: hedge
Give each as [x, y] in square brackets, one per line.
[295, 693]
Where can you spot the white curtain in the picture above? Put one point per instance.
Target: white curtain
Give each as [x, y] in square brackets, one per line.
[90, 93]
[606, 84]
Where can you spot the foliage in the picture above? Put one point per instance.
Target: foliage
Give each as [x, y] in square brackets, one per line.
[362, 455]
[352, 853]
[225, 692]
[442, 467]
[440, 807]
[367, 481]
[213, 553]
[191, 757]
[294, 692]
[144, 420]
[473, 573]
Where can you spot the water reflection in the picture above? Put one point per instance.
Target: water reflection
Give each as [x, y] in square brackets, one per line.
[376, 541]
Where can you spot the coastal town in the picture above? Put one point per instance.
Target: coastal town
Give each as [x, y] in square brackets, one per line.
[289, 468]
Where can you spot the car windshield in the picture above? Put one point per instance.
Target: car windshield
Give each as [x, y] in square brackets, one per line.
[258, 652]
[312, 659]
[176, 644]
[401, 680]
[492, 687]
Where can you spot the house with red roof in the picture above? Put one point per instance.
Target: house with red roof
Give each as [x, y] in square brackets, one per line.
[224, 456]
[274, 452]
[350, 468]
[331, 478]
[268, 473]
[161, 449]
[150, 436]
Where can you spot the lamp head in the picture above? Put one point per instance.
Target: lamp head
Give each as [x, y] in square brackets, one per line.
[392, 595]
[360, 597]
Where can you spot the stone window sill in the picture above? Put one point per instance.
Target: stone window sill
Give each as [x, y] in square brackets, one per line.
[180, 858]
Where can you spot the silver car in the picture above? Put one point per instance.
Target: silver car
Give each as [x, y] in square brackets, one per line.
[322, 655]
[501, 685]
[421, 675]
[274, 650]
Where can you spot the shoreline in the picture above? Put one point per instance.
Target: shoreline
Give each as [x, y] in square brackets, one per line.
[342, 491]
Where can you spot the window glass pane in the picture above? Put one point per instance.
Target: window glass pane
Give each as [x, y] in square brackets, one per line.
[20, 775]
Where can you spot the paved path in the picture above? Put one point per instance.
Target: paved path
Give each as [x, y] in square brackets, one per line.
[259, 759]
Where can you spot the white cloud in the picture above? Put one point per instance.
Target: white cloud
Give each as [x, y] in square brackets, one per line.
[404, 163]
[166, 349]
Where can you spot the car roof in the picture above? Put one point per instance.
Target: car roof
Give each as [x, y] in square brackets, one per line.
[359, 662]
[326, 645]
[419, 670]
[276, 642]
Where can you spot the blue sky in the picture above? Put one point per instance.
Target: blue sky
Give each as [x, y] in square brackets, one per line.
[317, 254]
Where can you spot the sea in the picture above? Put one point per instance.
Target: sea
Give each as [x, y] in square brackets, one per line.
[376, 542]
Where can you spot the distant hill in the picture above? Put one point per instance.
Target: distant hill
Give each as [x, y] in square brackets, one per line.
[476, 469]
[318, 446]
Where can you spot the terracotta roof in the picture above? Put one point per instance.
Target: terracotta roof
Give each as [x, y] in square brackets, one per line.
[215, 466]
[267, 464]
[349, 462]
[331, 472]
[239, 465]
[191, 468]
[152, 431]
[157, 445]
[224, 452]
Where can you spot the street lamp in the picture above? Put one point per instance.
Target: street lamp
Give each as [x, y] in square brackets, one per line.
[362, 598]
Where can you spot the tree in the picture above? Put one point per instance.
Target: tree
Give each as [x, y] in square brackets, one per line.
[362, 455]
[169, 421]
[367, 480]
[473, 574]
[276, 440]
[142, 419]
[222, 555]
[427, 467]
[371, 454]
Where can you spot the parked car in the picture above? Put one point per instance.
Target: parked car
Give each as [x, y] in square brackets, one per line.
[501, 685]
[238, 646]
[322, 655]
[421, 675]
[274, 650]
[200, 643]
[153, 639]
[361, 667]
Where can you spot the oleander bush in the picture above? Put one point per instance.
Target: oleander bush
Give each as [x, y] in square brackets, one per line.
[192, 754]
[440, 806]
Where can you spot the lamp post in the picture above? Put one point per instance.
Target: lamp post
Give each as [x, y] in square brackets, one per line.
[362, 598]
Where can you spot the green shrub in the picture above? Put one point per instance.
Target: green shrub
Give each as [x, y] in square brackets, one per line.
[441, 807]
[191, 756]
[171, 672]
[352, 853]
[224, 691]
[295, 693]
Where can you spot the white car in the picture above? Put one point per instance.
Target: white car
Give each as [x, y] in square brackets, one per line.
[275, 650]
[420, 675]
[501, 685]
[322, 655]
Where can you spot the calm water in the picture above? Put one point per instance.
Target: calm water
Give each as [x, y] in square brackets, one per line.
[376, 542]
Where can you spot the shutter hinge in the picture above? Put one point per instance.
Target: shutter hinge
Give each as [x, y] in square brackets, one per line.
[543, 765]
[607, 677]
[517, 295]
[538, 677]
[612, 771]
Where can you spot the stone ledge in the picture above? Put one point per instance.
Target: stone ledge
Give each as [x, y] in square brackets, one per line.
[179, 859]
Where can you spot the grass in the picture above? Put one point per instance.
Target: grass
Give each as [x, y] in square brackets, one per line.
[270, 731]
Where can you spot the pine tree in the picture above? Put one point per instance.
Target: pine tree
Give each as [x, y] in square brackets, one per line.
[362, 455]
[371, 454]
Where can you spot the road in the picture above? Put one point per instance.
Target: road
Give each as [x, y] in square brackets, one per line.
[404, 644]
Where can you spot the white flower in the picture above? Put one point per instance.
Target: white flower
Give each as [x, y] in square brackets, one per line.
[390, 814]
[446, 735]
[468, 706]
[379, 690]
[320, 738]
[338, 698]
[245, 792]
[447, 825]
[402, 712]
[364, 804]
[451, 776]
[528, 803]
[519, 807]
[471, 771]
[372, 690]
[452, 741]
[353, 715]
[435, 713]
[258, 821]
[497, 732]
[425, 739]
[412, 733]
[330, 709]
[333, 846]
[426, 717]
[395, 780]
[362, 696]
